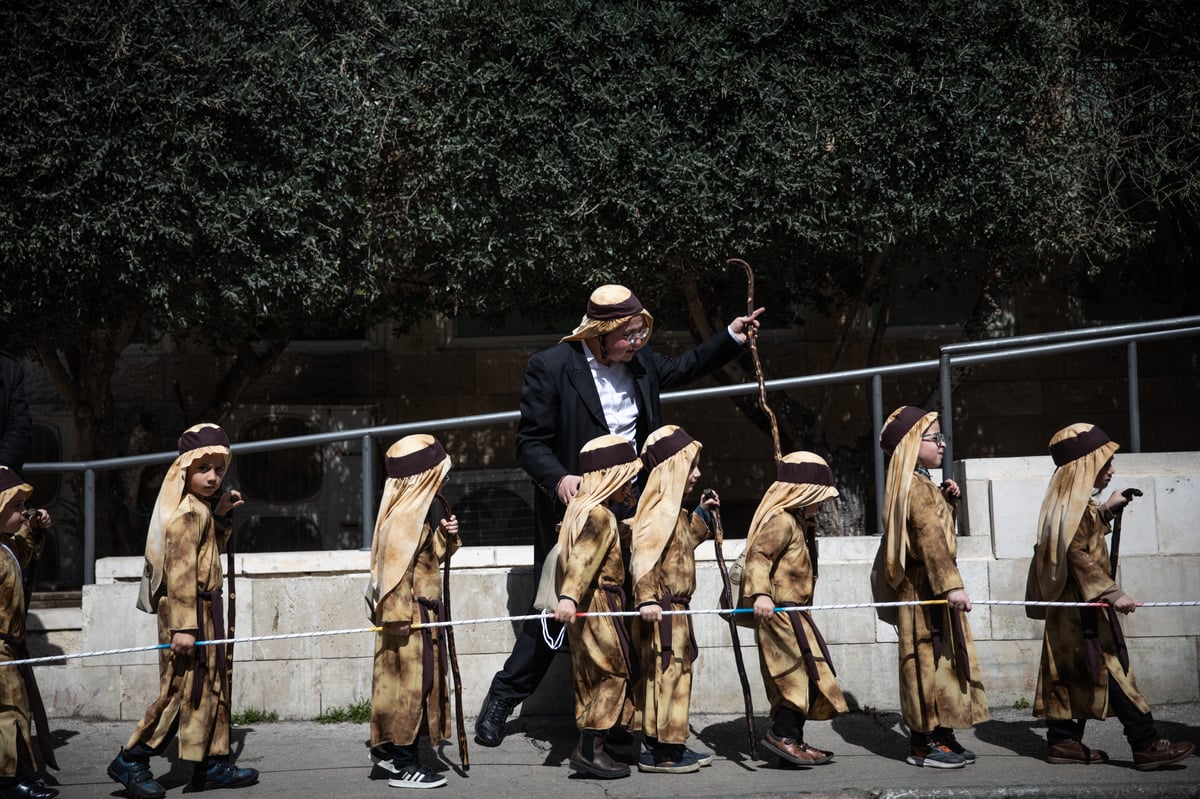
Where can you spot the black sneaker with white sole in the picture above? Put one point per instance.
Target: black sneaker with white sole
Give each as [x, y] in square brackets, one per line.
[416, 777]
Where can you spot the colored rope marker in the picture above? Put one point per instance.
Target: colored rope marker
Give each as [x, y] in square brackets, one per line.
[497, 619]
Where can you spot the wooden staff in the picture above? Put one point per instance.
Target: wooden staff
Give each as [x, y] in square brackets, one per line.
[752, 337]
[449, 633]
[232, 609]
[1115, 550]
[727, 596]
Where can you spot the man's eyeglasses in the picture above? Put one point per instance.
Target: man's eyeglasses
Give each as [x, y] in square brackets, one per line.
[937, 438]
[635, 337]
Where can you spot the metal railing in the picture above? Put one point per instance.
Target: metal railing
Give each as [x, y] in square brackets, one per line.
[952, 355]
[970, 353]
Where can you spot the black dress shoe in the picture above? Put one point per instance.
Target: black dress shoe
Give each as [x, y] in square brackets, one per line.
[28, 788]
[489, 727]
[135, 775]
[224, 774]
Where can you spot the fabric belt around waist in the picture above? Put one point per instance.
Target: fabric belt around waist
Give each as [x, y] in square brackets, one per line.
[810, 662]
[668, 602]
[217, 613]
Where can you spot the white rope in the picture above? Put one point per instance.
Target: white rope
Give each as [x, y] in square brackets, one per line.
[545, 616]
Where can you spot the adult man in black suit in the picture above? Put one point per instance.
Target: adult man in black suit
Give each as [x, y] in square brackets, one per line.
[16, 422]
[601, 379]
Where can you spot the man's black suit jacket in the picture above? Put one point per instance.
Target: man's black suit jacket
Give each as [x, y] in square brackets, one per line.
[16, 423]
[561, 411]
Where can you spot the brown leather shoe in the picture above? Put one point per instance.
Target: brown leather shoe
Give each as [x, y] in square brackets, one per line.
[1161, 753]
[590, 758]
[795, 751]
[1073, 752]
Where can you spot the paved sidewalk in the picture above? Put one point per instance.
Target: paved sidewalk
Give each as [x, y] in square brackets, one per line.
[306, 759]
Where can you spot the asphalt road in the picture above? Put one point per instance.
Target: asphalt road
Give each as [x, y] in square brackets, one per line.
[306, 759]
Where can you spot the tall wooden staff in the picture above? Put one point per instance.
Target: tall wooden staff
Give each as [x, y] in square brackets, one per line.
[449, 632]
[752, 337]
[730, 601]
[232, 609]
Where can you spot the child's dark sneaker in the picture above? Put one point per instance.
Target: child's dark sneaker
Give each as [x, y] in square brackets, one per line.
[416, 777]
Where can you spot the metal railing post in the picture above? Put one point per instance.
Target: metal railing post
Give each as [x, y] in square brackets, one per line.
[947, 420]
[89, 527]
[368, 492]
[1135, 414]
[876, 429]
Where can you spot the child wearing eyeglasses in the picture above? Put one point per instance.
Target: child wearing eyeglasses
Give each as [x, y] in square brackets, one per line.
[940, 682]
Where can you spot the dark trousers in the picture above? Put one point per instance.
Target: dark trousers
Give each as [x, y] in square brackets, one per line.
[527, 664]
[1139, 726]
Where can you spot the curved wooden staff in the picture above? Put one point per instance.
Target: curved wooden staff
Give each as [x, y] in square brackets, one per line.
[727, 596]
[231, 614]
[449, 633]
[752, 337]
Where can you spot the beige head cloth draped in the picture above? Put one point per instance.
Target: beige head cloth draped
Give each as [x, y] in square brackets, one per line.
[197, 441]
[608, 308]
[901, 437]
[803, 479]
[669, 454]
[608, 463]
[12, 487]
[1080, 452]
[416, 466]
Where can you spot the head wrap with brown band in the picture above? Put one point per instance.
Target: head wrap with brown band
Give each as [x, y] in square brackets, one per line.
[197, 442]
[1079, 452]
[901, 437]
[416, 467]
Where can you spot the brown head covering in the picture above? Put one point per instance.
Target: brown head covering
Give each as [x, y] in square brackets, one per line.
[608, 463]
[803, 479]
[608, 308]
[416, 466]
[1080, 452]
[196, 442]
[12, 487]
[669, 453]
[901, 436]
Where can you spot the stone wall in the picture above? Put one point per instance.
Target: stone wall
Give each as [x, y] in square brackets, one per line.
[298, 592]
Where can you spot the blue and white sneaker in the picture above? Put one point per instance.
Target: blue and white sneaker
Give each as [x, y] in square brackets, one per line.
[676, 759]
[945, 737]
[931, 754]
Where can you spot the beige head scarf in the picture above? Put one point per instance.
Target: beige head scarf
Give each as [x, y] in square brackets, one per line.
[803, 479]
[900, 437]
[1080, 452]
[669, 454]
[12, 487]
[196, 442]
[608, 463]
[416, 466]
[608, 308]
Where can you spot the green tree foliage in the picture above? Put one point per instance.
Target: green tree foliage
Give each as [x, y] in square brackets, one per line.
[546, 142]
[203, 170]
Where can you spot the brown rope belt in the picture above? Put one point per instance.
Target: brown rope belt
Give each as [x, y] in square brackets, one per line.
[810, 662]
[217, 613]
[616, 601]
[431, 610]
[937, 630]
[1090, 621]
[668, 602]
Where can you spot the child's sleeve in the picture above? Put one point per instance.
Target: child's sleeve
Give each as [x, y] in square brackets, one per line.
[763, 550]
[184, 533]
[588, 553]
[444, 546]
[1094, 580]
[928, 519]
[700, 525]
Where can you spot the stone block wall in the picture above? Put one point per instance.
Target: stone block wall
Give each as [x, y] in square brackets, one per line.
[323, 591]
